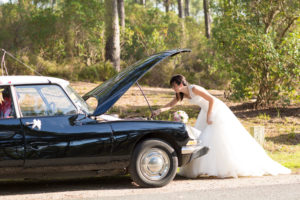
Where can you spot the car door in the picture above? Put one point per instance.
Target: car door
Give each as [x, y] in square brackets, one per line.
[55, 134]
[11, 134]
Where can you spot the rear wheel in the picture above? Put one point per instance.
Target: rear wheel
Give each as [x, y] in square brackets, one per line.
[153, 163]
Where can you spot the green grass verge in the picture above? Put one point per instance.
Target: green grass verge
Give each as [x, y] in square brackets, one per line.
[290, 160]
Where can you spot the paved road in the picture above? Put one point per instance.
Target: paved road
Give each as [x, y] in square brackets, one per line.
[258, 188]
[270, 192]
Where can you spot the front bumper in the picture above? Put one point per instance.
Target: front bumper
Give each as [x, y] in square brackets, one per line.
[190, 153]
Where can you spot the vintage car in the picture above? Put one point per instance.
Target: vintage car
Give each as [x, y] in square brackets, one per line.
[48, 130]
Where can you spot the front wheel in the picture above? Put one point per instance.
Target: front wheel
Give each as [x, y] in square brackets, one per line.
[153, 163]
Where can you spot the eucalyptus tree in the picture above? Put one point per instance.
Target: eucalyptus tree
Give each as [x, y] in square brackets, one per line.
[121, 12]
[112, 33]
[69, 36]
[167, 5]
[143, 2]
[206, 18]
[180, 8]
[187, 8]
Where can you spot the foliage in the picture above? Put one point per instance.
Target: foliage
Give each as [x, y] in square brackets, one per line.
[254, 51]
[99, 71]
[259, 49]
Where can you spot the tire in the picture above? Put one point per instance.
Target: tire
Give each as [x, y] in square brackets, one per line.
[153, 163]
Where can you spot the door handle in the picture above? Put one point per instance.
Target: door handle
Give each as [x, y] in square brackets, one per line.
[35, 123]
[29, 123]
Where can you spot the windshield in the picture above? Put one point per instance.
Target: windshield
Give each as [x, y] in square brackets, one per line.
[76, 98]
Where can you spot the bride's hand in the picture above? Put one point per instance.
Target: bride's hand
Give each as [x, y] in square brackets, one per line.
[208, 121]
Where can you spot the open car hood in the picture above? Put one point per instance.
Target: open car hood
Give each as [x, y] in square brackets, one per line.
[111, 90]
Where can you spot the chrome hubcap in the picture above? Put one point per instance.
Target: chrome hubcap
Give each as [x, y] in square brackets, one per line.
[155, 164]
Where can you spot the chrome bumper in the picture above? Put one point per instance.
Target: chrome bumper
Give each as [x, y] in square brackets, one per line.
[194, 151]
[190, 149]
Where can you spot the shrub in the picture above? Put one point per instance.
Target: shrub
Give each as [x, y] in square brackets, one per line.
[98, 72]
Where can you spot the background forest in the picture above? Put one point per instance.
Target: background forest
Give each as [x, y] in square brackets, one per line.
[250, 48]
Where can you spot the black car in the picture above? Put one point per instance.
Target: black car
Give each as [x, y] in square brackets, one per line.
[48, 130]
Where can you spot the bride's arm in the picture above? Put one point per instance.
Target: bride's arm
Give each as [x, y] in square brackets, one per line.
[208, 98]
[168, 106]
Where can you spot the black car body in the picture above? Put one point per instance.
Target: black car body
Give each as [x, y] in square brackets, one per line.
[50, 131]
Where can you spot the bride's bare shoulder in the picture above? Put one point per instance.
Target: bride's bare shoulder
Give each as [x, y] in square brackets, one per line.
[197, 87]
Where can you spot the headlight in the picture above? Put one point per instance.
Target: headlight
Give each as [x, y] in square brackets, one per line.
[192, 143]
[194, 136]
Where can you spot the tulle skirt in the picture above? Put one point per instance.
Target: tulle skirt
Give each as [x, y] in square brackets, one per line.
[233, 152]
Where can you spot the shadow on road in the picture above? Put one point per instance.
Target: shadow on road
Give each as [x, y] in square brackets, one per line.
[46, 186]
[22, 187]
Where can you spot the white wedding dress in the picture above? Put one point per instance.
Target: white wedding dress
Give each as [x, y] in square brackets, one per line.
[232, 151]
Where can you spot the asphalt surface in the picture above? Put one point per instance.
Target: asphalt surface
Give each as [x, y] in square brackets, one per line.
[284, 187]
[271, 192]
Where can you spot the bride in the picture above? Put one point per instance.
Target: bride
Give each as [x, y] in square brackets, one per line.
[232, 151]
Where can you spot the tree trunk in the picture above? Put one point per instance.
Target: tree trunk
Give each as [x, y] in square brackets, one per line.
[183, 34]
[268, 21]
[112, 33]
[167, 5]
[121, 10]
[289, 25]
[207, 18]
[20, 39]
[143, 2]
[69, 40]
[180, 9]
[69, 37]
[187, 8]
[53, 2]
[262, 96]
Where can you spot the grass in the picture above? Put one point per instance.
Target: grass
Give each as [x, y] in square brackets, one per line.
[282, 138]
[282, 125]
[290, 160]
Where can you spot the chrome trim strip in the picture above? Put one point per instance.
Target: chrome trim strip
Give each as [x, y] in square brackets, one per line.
[190, 149]
[15, 100]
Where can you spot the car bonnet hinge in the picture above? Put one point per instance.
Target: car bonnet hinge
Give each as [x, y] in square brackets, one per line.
[145, 99]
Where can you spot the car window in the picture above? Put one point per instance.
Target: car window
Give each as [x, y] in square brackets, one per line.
[6, 103]
[44, 100]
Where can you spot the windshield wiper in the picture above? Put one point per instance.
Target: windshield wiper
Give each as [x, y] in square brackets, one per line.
[145, 99]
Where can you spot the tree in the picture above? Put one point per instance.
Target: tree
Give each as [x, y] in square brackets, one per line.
[112, 33]
[69, 28]
[187, 8]
[258, 44]
[180, 9]
[167, 5]
[206, 18]
[53, 3]
[121, 10]
[143, 2]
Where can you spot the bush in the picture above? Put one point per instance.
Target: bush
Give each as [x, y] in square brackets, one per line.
[98, 72]
[262, 64]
